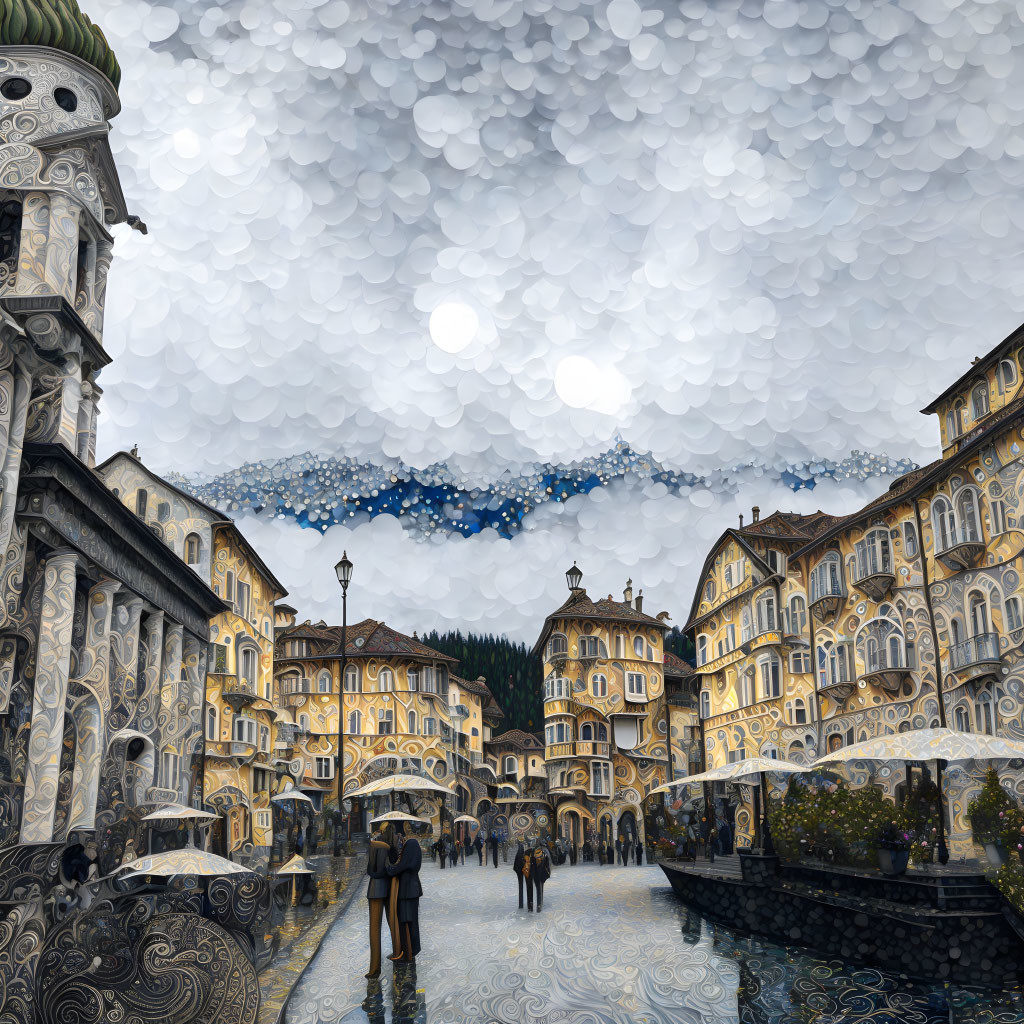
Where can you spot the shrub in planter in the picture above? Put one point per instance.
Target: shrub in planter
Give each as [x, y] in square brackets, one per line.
[1010, 882]
[919, 819]
[995, 818]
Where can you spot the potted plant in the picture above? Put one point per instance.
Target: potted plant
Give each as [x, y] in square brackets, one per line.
[995, 819]
[893, 846]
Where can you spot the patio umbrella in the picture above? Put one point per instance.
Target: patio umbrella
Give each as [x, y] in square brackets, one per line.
[939, 745]
[290, 794]
[398, 816]
[758, 766]
[467, 817]
[186, 861]
[399, 783]
[179, 812]
[294, 867]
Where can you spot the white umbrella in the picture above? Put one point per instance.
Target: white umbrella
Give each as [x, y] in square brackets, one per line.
[179, 812]
[467, 817]
[758, 766]
[398, 816]
[930, 745]
[399, 783]
[186, 861]
[290, 794]
[294, 867]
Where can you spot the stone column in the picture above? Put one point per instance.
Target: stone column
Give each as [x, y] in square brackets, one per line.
[53, 659]
[94, 667]
[61, 266]
[147, 712]
[10, 465]
[97, 298]
[191, 697]
[169, 724]
[35, 230]
[124, 659]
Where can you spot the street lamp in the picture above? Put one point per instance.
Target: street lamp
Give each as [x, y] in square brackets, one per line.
[343, 570]
[573, 577]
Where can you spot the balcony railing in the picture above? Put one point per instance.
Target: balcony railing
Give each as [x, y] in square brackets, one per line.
[826, 598]
[240, 692]
[960, 547]
[874, 576]
[885, 667]
[982, 649]
[230, 748]
[592, 748]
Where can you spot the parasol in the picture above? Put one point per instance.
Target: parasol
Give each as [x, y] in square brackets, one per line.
[186, 861]
[399, 783]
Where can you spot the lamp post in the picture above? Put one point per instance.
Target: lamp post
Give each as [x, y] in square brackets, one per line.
[573, 577]
[343, 570]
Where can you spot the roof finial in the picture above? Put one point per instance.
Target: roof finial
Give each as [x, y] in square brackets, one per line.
[134, 453]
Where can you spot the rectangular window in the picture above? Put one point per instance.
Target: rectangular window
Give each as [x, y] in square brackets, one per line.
[429, 726]
[910, 540]
[141, 502]
[242, 595]
[998, 516]
[169, 770]
[636, 684]
[323, 768]
[739, 754]
[218, 659]
[260, 780]
[730, 637]
[1012, 614]
[264, 738]
[264, 819]
[800, 661]
[601, 779]
[385, 721]
[243, 729]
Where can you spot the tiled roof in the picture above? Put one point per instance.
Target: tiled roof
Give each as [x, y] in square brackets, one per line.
[580, 605]
[518, 738]
[676, 668]
[377, 640]
[789, 526]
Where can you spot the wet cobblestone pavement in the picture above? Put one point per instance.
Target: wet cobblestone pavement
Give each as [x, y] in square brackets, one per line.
[612, 946]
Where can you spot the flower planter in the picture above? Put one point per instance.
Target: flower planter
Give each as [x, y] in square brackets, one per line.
[996, 854]
[893, 862]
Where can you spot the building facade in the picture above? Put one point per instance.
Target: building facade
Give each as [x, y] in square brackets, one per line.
[103, 638]
[606, 723]
[239, 716]
[815, 632]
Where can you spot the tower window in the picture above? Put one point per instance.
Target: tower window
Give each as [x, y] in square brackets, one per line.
[141, 501]
[65, 99]
[15, 88]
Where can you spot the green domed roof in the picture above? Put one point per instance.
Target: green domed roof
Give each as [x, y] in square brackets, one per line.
[60, 24]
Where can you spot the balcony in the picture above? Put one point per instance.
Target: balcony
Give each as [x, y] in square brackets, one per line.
[886, 669]
[962, 548]
[874, 578]
[827, 601]
[287, 734]
[296, 692]
[837, 688]
[975, 657]
[596, 748]
[239, 693]
[230, 748]
[559, 706]
[559, 750]
[458, 711]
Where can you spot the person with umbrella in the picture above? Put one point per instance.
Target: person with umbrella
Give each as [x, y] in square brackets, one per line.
[377, 897]
[405, 896]
[536, 871]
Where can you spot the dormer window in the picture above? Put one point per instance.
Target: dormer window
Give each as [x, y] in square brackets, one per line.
[1006, 375]
[955, 420]
[979, 401]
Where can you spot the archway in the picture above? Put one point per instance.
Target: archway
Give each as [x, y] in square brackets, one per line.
[627, 826]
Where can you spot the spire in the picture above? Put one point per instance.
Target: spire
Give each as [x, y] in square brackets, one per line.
[59, 24]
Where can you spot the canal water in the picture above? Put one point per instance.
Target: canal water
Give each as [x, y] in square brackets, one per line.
[611, 946]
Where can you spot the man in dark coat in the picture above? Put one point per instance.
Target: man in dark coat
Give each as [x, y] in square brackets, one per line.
[618, 848]
[467, 848]
[407, 870]
[639, 852]
[536, 871]
[377, 896]
[492, 841]
[478, 845]
[627, 846]
[517, 867]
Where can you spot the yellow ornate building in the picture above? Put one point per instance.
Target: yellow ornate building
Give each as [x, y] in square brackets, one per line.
[397, 716]
[605, 711]
[239, 716]
[817, 631]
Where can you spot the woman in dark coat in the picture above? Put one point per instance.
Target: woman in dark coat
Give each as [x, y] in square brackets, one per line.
[406, 870]
[517, 867]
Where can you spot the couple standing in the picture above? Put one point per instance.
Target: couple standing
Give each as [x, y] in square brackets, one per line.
[533, 868]
[394, 889]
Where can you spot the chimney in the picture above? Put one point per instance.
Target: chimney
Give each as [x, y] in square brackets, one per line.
[741, 520]
[755, 513]
[627, 594]
[639, 601]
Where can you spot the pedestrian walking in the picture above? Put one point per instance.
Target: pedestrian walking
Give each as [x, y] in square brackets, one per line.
[536, 871]
[492, 841]
[639, 852]
[618, 848]
[478, 845]
[517, 866]
[377, 898]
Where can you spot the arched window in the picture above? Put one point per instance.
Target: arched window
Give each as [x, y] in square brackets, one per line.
[796, 712]
[323, 681]
[141, 502]
[709, 590]
[601, 732]
[728, 576]
[984, 713]
[873, 556]
[979, 401]
[967, 514]
[834, 663]
[944, 521]
[705, 704]
[586, 731]
[881, 644]
[797, 615]
[702, 649]
[770, 671]
[412, 676]
[412, 728]
[249, 660]
[193, 549]
[961, 719]
[638, 646]
[746, 688]
[1007, 375]
[557, 645]
[303, 723]
[770, 750]
[352, 679]
[211, 722]
[1011, 615]
[385, 681]
[599, 684]
[766, 612]
[510, 764]
[977, 608]
[827, 578]
[620, 645]
[355, 723]
[955, 420]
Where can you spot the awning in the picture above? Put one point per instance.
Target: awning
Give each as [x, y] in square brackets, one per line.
[186, 861]
[467, 817]
[398, 816]
[399, 783]
[295, 866]
[290, 794]
[928, 745]
[179, 812]
[736, 770]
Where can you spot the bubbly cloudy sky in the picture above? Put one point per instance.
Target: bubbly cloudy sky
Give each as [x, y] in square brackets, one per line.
[740, 235]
